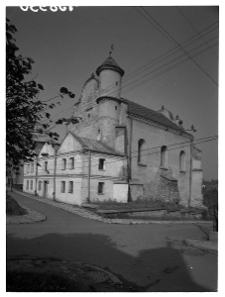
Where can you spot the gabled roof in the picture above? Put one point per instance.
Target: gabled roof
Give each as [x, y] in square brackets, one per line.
[94, 145]
[110, 63]
[151, 115]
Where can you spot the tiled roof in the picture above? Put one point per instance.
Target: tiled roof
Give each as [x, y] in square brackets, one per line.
[95, 145]
[151, 115]
[110, 63]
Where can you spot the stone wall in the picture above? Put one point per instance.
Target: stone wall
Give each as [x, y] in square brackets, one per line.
[167, 190]
[136, 191]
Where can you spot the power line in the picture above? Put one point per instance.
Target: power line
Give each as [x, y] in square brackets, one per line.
[164, 30]
[195, 30]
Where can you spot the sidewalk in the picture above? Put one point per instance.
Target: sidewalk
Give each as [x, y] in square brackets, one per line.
[33, 217]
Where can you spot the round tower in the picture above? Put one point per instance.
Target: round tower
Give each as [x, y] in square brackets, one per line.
[110, 76]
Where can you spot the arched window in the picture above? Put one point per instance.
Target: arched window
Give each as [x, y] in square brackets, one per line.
[141, 151]
[182, 161]
[163, 157]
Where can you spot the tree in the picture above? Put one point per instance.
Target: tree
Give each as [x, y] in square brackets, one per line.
[25, 112]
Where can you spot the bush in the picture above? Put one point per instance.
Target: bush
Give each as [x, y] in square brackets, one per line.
[13, 208]
[210, 200]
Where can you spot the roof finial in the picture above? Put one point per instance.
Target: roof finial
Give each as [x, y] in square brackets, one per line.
[111, 49]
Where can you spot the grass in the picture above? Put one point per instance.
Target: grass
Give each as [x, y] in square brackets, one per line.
[13, 207]
[140, 203]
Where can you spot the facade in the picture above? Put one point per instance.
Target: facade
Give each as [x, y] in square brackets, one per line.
[118, 150]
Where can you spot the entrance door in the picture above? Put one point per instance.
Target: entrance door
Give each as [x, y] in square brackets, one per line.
[45, 191]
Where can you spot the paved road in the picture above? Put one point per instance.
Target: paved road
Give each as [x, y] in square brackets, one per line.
[151, 256]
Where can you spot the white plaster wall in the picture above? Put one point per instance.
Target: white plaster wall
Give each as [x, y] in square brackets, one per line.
[108, 79]
[78, 164]
[120, 192]
[70, 198]
[196, 186]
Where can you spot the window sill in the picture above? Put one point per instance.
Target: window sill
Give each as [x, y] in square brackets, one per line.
[142, 164]
[183, 171]
[163, 168]
[101, 193]
[101, 169]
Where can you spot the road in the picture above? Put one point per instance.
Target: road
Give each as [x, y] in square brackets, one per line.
[151, 256]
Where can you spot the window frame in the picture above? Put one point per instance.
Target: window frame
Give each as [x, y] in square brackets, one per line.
[64, 163]
[101, 188]
[72, 162]
[182, 161]
[27, 187]
[101, 164]
[70, 190]
[63, 186]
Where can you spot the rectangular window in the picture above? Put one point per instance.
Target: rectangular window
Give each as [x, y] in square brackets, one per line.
[63, 187]
[46, 165]
[71, 163]
[31, 185]
[39, 185]
[28, 168]
[27, 184]
[32, 167]
[101, 164]
[64, 164]
[101, 187]
[70, 187]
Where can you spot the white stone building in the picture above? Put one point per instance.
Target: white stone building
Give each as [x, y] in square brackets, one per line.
[118, 150]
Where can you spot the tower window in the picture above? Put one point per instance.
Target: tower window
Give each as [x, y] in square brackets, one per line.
[101, 164]
[117, 83]
[101, 187]
[115, 107]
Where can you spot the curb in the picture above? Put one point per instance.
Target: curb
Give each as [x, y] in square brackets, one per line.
[92, 216]
[204, 245]
[29, 218]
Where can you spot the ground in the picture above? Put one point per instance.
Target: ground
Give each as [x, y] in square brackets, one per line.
[148, 257]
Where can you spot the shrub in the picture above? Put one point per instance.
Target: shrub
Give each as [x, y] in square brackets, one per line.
[210, 200]
[13, 208]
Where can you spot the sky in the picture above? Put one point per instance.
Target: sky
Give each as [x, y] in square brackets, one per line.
[68, 46]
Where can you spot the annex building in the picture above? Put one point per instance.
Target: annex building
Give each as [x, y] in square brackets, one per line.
[118, 150]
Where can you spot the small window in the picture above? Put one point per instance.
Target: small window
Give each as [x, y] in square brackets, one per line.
[101, 164]
[101, 187]
[27, 184]
[39, 185]
[115, 107]
[72, 163]
[32, 167]
[28, 168]
[182, 161]
[64, 164]
[163, 161]
[70, 186]
[63, 187]
[142, 153]
[46, 165]
[31, 185]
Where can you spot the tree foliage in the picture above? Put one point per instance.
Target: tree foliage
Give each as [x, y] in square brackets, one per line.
[26, 114]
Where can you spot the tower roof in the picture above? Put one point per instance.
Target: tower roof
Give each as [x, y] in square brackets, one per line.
[110, 63]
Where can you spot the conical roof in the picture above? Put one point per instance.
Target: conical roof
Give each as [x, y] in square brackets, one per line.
[110, 63]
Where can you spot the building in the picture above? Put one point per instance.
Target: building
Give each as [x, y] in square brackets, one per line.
[118, 150]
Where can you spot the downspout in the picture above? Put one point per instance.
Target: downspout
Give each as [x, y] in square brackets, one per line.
[36, 175]
[54, 175]
[190, 173]
[130, 160]
[89, 176]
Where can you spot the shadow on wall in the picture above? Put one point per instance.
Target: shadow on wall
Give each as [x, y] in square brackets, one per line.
[153, 270]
